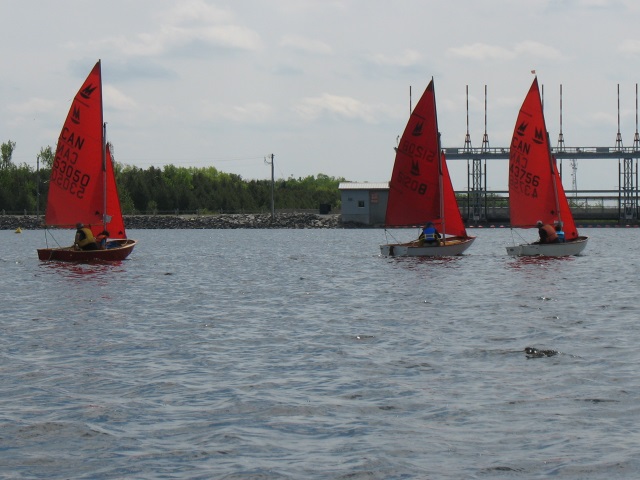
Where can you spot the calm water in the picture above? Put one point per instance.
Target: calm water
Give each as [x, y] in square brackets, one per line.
[303, 354]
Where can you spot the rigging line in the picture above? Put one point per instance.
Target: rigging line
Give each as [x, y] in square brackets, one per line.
[388, 234]
[517, 232]
[53, 238]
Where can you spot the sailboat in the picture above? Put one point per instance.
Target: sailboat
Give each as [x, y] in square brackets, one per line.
[420, 189]
[82, 186]
[535, 188]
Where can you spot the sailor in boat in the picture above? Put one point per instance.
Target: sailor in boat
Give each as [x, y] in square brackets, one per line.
[559, 232]
[101, 239]
[547, 233]
[429, 236]
[84, 238]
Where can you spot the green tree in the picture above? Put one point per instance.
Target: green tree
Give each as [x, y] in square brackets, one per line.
[6, 153]
[170, 189]
[46, 156]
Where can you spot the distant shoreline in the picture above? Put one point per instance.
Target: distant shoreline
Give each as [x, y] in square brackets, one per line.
[221, 221]
[249, 220]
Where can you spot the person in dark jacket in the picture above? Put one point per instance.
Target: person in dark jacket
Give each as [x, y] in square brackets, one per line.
[547, 233]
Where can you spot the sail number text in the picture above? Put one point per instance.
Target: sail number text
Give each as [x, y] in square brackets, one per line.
[412, 184]
[524, 181]
[417, 151]
[65, 175]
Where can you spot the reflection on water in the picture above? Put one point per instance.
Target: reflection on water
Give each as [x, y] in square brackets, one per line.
[542, 261]
[417, 262]
[82, 270]
[81, 276]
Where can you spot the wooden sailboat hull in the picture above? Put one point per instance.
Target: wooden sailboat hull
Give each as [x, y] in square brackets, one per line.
[68, 254]
[565, 249]
[453, 246]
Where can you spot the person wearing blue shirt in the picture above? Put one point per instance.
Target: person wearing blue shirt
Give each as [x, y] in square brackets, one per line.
[559, 231]
[429, 235]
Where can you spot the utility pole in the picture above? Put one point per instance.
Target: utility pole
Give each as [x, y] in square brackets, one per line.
[273, 208]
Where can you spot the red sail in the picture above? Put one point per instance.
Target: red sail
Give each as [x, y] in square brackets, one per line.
[535, 187]
[114, 220]
[569, 226]
[76, 175]
[454, 224]
[415, 195]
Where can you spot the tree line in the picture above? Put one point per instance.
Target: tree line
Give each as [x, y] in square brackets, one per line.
[169, 189]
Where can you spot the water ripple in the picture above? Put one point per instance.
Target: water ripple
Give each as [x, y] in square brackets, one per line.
[304, 354]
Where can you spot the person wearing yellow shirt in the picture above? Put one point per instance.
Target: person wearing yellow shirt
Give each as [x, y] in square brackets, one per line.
[84, 238]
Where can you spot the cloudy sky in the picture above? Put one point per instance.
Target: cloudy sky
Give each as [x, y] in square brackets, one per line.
[321, 84]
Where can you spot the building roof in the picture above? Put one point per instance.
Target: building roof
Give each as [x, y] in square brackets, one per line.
[363, 186]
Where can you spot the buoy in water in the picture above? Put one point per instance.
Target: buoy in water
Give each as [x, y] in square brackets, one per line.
[18, 230]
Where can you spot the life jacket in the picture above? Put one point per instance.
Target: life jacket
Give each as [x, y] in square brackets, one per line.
[552, 235]
[101, 239]
[88, 237]
[429, 234]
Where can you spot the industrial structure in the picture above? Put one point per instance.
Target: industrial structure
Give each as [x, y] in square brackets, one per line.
[365, 203]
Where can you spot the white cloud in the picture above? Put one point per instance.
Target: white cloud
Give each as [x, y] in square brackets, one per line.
[114, 98]
[196, 20]
[195, 11]
[408, 58]
[186, 24]
[169, 38]
[631, 46]
[26, 112]
[343, 107]
[253, 112]
[32, 106]
[233, 36]
[536, 49]
[307, 45]
[482, 51]
[602, 118]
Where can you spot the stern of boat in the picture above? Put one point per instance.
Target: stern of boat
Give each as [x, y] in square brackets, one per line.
[514, 251]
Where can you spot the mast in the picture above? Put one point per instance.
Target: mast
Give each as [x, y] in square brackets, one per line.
[440, 182]
[104, 176]
[104, 153]
[552, 160]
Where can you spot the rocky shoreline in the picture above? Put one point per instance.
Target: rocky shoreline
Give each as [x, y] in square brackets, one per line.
[223, 221]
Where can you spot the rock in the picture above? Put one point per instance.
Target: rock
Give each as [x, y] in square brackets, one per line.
[532, 352]
[222, 221]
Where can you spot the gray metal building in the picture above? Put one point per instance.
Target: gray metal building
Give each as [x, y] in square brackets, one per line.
[364, 202]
